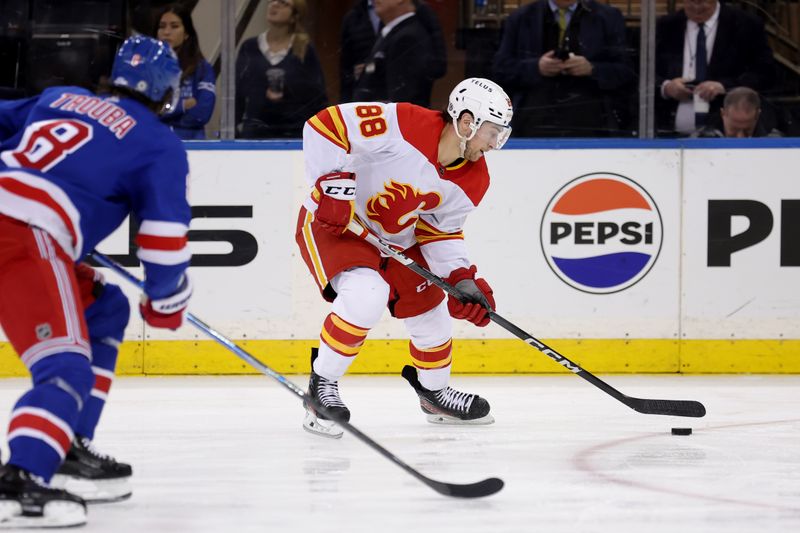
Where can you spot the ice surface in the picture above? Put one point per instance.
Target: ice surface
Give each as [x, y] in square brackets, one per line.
[228, 454]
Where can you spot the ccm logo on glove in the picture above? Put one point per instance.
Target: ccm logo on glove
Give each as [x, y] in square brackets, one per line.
[345, 191]
[336, 192]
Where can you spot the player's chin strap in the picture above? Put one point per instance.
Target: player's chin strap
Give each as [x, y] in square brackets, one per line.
[642, 405]
[462, 141]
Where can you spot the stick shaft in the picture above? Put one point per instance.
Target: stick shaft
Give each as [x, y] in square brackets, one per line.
[479, 489]
[663, 407]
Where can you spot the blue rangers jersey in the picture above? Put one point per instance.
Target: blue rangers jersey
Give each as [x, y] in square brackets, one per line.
[76, 164]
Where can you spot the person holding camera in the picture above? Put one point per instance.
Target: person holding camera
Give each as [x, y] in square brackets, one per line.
[564, 63]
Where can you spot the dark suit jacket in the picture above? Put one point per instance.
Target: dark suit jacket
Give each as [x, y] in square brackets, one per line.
[601, 39]
[741, 56]
[598, 33]
[358, 37]
[392, 71]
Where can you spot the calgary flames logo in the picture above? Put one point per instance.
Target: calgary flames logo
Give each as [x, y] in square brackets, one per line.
[397, 208]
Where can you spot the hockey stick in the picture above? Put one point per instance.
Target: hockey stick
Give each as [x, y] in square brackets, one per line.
[479, 489]
[642, 405]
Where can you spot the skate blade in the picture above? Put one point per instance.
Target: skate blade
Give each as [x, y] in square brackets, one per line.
[94, 490]
[54, 514]
[323, 428]
[436, 418]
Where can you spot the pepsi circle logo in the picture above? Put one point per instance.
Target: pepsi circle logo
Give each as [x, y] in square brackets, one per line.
[601, 233]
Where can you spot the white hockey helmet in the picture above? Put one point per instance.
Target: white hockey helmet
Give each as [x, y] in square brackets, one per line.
[486, 101]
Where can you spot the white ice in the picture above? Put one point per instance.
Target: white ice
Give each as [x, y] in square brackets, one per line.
[228, 454]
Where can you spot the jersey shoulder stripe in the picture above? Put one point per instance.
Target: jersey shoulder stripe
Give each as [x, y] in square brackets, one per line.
[330, 124]
[421, 128]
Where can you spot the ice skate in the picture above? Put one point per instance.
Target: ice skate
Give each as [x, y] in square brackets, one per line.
[449, 406]
[94, 476]
[324, 392]
[27, 502]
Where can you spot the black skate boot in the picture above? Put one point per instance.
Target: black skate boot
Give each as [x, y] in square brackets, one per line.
[323, 392]
[26, 502]
[449, 406]
[95, 476]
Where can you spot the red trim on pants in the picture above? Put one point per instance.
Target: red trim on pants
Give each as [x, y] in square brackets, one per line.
[326, 255]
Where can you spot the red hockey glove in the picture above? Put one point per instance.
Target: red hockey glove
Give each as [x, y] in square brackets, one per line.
[167, 312]
[336, 192]
[160, 320]
[478, 299]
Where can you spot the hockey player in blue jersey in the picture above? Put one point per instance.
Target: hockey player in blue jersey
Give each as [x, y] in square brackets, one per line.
[73, 166]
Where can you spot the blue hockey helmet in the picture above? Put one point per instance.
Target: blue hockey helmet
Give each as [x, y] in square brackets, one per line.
[147, 66]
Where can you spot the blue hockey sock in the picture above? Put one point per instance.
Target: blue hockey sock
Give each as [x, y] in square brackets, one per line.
[42, 423]
[104, 360]
[106, 319]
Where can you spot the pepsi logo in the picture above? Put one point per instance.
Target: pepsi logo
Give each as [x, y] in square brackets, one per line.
[601, 233]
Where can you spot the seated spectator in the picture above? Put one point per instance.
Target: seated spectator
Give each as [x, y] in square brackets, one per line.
[198, 90]
[360, 29]
[279, 81]
[563, 62]
[740, 117]
[702, 51]
[399, 66]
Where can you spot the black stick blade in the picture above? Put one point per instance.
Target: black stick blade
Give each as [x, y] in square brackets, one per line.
[487, 487]
[689, 408]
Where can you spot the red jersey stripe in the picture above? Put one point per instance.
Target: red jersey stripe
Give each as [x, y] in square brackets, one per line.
[38, 195]
[154, 242]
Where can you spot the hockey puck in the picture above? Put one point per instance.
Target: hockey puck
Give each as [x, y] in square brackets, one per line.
[681, 431]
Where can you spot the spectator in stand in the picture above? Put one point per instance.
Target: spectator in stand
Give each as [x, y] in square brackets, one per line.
[740, 117]
[279, 81]
[198, 89]
[702, 51]
[402, 61]
[564, 62]
[360, 29]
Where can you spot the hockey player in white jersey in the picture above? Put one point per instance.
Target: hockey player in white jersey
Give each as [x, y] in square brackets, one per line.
[411, 176]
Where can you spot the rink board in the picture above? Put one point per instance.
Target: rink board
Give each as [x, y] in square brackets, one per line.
[718, 289]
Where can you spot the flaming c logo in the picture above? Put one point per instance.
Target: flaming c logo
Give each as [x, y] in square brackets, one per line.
[396, 209]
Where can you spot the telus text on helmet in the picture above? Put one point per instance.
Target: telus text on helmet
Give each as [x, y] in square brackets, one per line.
[480, 84]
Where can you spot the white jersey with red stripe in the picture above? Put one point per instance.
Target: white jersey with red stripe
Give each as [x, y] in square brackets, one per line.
[76, 165]
[403, 194]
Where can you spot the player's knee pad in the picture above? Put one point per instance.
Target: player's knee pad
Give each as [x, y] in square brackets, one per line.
[108, 315]
[431, 328]
[70, 372]
[362, 294]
